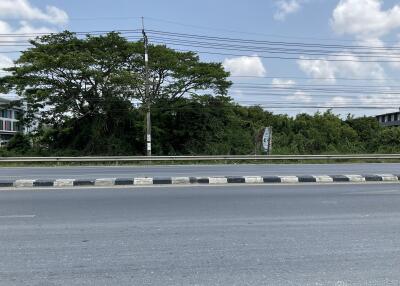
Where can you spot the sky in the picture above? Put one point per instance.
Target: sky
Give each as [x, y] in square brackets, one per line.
[288, 56]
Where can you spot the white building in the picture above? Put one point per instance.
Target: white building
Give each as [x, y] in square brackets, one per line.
[389, 119]
[9, 124]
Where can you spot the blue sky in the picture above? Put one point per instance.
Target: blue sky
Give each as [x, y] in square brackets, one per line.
[320, 81]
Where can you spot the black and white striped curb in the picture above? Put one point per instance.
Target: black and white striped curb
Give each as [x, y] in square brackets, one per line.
[107, 182]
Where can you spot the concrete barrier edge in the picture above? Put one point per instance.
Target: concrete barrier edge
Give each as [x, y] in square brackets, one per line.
[109, 182]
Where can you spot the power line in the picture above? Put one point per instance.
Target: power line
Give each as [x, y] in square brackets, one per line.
[249, 32]
[265, 42]
[276, 50]
[314, 78]
[104, 18]
[338, 56]
[263, 89]
[212, 38]
[285, 58]
[208, 28]
[10, 52]
[319, 89]
[283, 84]
[92, 32]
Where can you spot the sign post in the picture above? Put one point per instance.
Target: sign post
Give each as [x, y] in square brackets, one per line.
[267, 140]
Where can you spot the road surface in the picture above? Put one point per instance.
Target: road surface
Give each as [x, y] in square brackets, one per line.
[196, 170]
[202, 235]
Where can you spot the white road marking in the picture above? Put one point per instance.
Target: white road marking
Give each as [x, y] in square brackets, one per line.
[17, 216]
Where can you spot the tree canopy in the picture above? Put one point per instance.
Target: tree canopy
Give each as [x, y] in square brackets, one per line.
[63, 76]
[82, 90]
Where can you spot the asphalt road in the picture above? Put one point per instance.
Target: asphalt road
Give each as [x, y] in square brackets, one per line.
[196, 170]
[231, 235]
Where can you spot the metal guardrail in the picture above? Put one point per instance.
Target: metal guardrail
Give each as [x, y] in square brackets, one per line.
[201, 158]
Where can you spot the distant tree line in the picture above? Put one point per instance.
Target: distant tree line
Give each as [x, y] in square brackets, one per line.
[85, 96]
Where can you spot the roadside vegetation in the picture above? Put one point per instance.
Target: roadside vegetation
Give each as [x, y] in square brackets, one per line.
[86, 96]
[212, 125]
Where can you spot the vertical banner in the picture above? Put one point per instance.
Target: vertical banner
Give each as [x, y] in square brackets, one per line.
[267, 140]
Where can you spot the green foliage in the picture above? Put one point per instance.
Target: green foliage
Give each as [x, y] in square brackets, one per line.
[64, 77]
[210, 125]
[80, 91]
[389, 140]
[368, 130]
[19, 143]
[201, 125]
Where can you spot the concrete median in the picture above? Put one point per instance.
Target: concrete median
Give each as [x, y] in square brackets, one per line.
[220, 180]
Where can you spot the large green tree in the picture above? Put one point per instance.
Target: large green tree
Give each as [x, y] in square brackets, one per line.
[71, 76]
[74, 85]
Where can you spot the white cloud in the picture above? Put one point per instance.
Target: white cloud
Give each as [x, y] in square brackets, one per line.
[392, 54]
[385, 96]
[386, 102]
[328, 69]
[245, 66]
[277, 82]
[339, 101]
[370, 41]
[351, 66]
[318, 69]
[5, 62]
[364, 18]
[5, 28]
[286, 7]
[367, 21]
[26, 28]
[23, 27]
[23, 10]
[299, 96]
[30, 20]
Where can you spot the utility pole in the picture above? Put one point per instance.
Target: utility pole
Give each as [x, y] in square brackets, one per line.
[147, 93]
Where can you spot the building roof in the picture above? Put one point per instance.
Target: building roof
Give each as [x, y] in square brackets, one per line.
[4, 100]
[389, 113]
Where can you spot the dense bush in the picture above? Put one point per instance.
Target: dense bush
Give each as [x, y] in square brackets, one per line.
[209, 125]
[19, 143]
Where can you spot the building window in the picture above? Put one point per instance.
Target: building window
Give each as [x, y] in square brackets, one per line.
[7, 113]
[389, 117]
[15, 126]
[396, 117]
[1, 125]
[7, 126]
